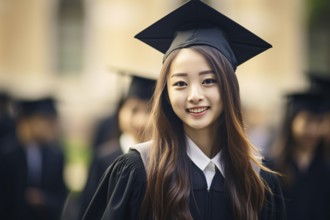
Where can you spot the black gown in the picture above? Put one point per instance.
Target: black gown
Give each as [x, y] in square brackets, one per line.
[14, 182]
[122, 189]
[308, 197]
[105, 156]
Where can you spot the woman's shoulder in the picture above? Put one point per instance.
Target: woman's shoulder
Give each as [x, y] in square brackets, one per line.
[270, 178]
[132, 164]
[274, 207]
[128, 164]
[123, 180]
[130, 158]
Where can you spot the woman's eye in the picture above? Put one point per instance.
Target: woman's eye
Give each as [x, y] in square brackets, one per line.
[209, 81]
[180, 84]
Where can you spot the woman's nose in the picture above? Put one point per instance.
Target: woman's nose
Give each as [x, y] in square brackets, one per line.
[195, 94]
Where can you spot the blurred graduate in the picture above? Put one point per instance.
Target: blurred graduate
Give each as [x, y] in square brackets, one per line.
[301, 156]
[7, 121]
[31, 171]
[129, 123]
[320, 82]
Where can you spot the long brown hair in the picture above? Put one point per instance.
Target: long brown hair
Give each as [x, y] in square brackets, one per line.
[168, 179]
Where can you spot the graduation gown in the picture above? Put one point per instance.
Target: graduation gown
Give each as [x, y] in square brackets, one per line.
[308, 197]
[123, 186]
[14, 182]
[105, 156]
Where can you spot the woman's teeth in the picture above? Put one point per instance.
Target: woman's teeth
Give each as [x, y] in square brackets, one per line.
[197, 110]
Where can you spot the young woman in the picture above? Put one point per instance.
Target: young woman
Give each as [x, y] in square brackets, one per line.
[199, 163]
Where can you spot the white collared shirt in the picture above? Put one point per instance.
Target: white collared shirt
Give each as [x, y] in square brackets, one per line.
[34, 163]
[203, 162]
[126, 141]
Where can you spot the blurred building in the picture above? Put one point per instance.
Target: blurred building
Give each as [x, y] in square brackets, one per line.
[66, 47]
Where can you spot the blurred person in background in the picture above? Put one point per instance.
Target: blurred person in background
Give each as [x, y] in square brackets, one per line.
[300, 157]
[7, 122]
[128, 128]
[320, 82]
[32, 185]
[106, 129]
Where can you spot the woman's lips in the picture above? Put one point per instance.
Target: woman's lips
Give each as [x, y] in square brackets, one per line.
[197, 110]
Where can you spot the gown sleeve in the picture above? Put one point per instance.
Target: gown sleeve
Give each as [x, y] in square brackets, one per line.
[274, 206]
[120, 191]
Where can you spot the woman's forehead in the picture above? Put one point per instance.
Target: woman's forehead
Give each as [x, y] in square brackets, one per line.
[189, 61]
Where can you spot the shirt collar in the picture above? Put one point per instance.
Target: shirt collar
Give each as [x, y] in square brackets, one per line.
[200, 159]
[126, 141]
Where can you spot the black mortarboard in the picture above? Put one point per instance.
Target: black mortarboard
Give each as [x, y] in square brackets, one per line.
[311, 101]
[44, 106]
[141, 87]
[196, 23]
[4, 97]
[319, 82]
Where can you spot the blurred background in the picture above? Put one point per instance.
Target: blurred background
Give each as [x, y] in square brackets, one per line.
[68, 48]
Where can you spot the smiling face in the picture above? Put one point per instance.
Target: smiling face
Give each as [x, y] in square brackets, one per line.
[193, 91]
[133, 117]
[307, 129]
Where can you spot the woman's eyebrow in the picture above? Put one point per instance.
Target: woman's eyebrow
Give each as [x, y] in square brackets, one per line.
[185, 74]
[206, 72]
[178, 74]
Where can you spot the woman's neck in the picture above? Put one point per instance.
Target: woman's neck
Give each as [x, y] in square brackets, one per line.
[206, 140]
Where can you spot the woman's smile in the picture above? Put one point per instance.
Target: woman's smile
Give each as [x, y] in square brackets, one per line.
[197, 110]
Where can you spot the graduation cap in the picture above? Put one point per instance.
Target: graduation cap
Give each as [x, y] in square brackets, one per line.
[312, 101]
[196, 23]
[141, 86]
[44, 106]
[319, 82]
[4, 97]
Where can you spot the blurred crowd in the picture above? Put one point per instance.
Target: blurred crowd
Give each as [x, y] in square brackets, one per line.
[32, 158]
